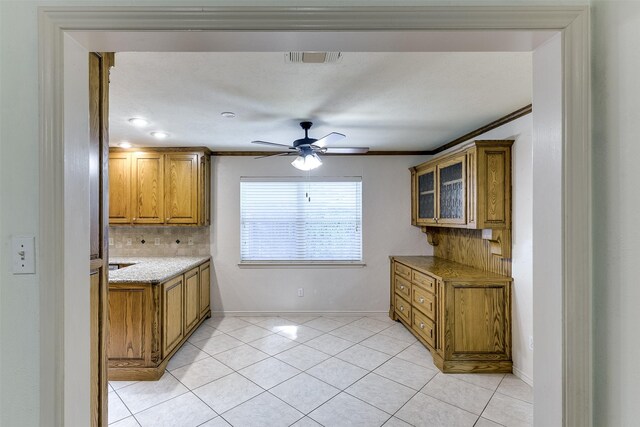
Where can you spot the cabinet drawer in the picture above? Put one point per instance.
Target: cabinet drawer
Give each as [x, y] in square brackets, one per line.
[403, 270]
[424, 301]
[425, 281]
[425, 328]
[403, 308]
[403, 287]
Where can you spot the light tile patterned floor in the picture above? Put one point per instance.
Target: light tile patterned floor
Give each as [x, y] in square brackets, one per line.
[309, 371]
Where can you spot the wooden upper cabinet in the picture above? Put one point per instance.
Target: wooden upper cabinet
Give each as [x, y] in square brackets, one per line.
[148, 188]
[469, 188]
[181, 187]
[119, 188]
[159, 186]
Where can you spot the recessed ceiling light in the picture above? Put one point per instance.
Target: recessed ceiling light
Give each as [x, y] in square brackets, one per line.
[138, 122]
[159, 134]
[228, 114]
[125, 144]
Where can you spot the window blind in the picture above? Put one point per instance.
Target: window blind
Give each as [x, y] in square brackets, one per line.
[300, 220]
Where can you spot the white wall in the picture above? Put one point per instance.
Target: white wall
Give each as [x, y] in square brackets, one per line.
[616, 128]
[386, 230]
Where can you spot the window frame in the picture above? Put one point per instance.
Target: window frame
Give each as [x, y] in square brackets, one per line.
[302, 263]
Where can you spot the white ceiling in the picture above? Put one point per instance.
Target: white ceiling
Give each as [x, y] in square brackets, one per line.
[386, 101]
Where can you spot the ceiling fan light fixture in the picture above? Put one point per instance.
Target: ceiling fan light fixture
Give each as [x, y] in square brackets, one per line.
[307, 162]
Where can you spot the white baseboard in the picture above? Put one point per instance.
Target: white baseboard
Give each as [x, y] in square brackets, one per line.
[298, 313]
[524, 377]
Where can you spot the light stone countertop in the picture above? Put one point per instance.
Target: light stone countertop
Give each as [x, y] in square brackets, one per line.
[152, 270]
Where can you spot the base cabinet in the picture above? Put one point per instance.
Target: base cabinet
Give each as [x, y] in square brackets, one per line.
[149, 322]
[461, 314]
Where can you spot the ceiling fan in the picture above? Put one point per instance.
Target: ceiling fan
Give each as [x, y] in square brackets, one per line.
[309, 149]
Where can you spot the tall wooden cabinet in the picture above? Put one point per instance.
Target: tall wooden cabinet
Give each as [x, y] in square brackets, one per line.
[160, 187]
[468, 188]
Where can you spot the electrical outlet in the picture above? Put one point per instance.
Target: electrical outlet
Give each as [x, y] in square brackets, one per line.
[111, 241]
[128, 242]
[300, 292]
[190, 241]
[156, 241]
[531, 342]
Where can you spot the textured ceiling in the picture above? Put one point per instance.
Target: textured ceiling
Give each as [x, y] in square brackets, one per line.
[386, 101]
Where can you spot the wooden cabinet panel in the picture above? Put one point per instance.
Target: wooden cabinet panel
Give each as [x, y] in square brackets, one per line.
[130, 323]
[181, 186]
[119, 188]
[205, 288]
[468, 188]
[403, 287]
[478, 319]
[148, 188]
[191, 298]
[424, 301]
[403, 271]
[172, 314]
[403, 308]
[494, 186]
[427, 282]
[463, 317]
[424, 327]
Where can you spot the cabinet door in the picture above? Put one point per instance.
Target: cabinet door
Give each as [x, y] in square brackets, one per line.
[205, 288]
[452, 200]
[426, 196]
[181, 171]
[191, 299]
[119, 188]
[172, 314]
[148, 188]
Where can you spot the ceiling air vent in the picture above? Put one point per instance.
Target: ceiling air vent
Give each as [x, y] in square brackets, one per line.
[312, 57]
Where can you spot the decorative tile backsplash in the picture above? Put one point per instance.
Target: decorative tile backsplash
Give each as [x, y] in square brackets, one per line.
[158, 241]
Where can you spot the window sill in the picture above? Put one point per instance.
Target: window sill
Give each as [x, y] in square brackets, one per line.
[300, 264]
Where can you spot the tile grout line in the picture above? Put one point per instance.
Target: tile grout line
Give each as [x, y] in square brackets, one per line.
[489, 401]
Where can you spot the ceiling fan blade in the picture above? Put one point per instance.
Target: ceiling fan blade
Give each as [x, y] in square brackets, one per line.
[347, 150]
[328, 139]
[275, 155]
[270, 143]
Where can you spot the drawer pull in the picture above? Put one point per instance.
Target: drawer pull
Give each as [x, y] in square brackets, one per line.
[401, 308]
[402, 287]
[421, 300]
[421, 325]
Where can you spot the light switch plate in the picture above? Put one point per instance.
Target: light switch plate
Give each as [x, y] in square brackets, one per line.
[23, 249]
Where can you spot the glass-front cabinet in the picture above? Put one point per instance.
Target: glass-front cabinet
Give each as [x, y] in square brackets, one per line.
[440, 193]
[468, 188]
[452, 191]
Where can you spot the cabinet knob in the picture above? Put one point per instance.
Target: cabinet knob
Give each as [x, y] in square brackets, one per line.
[402, 287]
[401, 308]
[421, 300]
[421, 325]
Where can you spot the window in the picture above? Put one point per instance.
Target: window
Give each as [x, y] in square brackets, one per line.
[299, 220]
